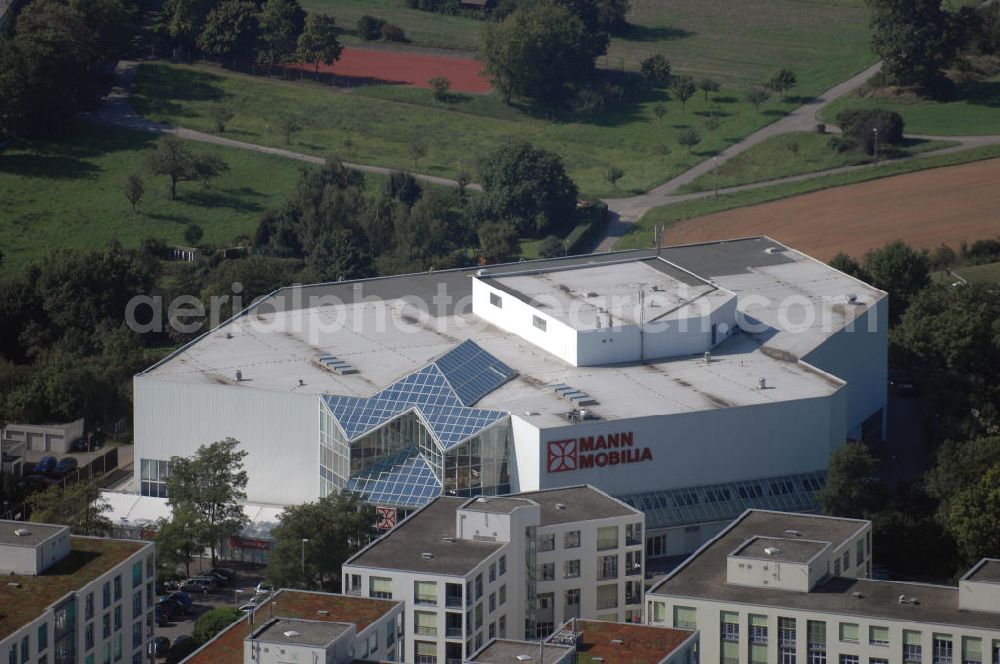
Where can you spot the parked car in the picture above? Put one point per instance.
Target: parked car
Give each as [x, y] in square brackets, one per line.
[31, 483]
[66, 466]
[219, 579]
[163, 613]
[45, 465]
[181, 597]
[264, 588]
[81, 444]
[174, 606]
[224, 571]
[159, 647]
[198, 585]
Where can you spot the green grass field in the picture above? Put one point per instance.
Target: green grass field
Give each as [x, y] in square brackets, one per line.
[377, 125]
[976, 274]
[640, 233]
[791, 154]
[66, 193]
[976, 110]
[737, 43]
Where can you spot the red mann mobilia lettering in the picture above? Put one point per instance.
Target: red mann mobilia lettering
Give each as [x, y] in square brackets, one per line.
[595, 451]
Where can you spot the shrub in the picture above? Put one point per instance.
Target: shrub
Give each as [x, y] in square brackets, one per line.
[440, 86]
[214, 621]
[392, 32]
[656, 69]
[370, 27]
[858, 127]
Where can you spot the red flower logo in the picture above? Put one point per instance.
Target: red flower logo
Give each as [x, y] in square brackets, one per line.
[562, 455]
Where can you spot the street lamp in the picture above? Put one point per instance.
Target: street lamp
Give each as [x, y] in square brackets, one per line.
[304, 540]
[715, 175]
[236, 595]
[875, 132]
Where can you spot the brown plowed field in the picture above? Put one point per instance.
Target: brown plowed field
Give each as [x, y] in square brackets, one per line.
[942, 205]
[382, 66]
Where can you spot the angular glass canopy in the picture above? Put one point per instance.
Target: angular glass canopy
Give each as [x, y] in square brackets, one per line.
[403, 480]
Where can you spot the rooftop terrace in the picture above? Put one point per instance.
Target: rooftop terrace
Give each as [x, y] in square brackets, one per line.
[227, 647]
[88, 559]
[624, 643]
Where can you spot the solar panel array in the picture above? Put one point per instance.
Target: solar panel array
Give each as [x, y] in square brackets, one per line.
[724, 502]
[402, 480]
[472, 372]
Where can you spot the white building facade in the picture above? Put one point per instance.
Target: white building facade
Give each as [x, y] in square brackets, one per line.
[792, 588]
[693, 384]
[105, 617]
[473, 570]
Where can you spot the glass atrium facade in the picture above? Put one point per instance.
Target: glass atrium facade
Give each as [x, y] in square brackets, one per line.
[420, 437]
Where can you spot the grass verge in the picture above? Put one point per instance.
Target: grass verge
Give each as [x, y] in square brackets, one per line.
[988, 273]
[640, 233]
[792, 154]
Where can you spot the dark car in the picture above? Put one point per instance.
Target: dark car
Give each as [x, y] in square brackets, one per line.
[219, 579]
[199, 585]
[81, 444]
[45, 465]
[33, 483]
[66, 466]
[224, 571]
[174, 606]
[181, 597]
[159, 647]
[163, 615]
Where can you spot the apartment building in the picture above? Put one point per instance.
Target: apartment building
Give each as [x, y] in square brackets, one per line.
[471, 570]
[788, 588]
[597, 642]
[308, 627]
[68, 599]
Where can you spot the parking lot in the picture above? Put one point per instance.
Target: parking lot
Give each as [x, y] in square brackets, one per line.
[236, 594]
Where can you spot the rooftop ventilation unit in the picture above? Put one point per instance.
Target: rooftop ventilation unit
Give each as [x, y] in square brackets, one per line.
[858, 595]
[772, 550]
[524, 658]
[323, 612]
[22, 532]
[574, 395]
[560, 506]
[616, 642]
[774, 250]
[762, 383]
[427, 555]
[793, 532]
[567, 638]
[336, 365]
[597, 659]
[290, 634]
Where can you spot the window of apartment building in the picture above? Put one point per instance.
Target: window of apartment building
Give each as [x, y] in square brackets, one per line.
[43, 637]
[425, 592]
[479, 586]
[573, 597]
[656, 546]
[944, 650]
[607, 596]
[685, 617]
[633, 534]
[847, 560]
[878, 660]
[106, 595]
[539, 322]
[88, 636]
[571, 569]
[729, 633]
[547, 572]
[496, 300]
[479, 616]
[912, 647]
[859, 552]
[137, 604]
[354, 583]
[850, 659]
[153, 477]
[607, 538]
[136, 634]
[380, 587]
[571, 539]
[118, 618]
[107, 653]
[786, 640]
[493, 572]
[849, 632]
[106, 626]
[425, 652]
[633, 592]
[88, 606]
[25, 649]
[469, 616]
[493, 630]
[546, 542]
[493, 602]
[546, 600]
[502, 627]
[502, 594]
[390, 634]
[633, 563]
[972, 650]
[659, 612]
[758, 629]
[425, 623]
[836, 567]
[607, 567]
[118, 648]
[469, 598]
[12, 655]
[816, 641]
[137, 574]
[118, 587]
[878, 636]
[503, 565]
[479, 641]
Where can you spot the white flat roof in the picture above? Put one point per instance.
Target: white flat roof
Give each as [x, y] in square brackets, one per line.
[582, 297]
[384, 340]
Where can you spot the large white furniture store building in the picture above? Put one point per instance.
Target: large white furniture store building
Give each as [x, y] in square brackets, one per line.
[692, 382]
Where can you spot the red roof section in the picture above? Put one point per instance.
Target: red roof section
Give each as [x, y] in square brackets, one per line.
[640, 644]
[227, 647]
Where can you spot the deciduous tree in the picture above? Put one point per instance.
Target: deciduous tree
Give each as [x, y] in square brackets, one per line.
[852, 488]
[782, 81]
[974, 514]
[231, 31]
[318, 42]
[915, 40]
[79, 506]
[214, 621]
[656, 69]
[179, 163]
[688, 138]
[683, 89]
[708, 85]
[899, 270]
[498, 241]
[134, 188]
[280, 23]
[756, 96]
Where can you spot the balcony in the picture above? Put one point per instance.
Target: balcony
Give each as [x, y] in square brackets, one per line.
[453, 601]
[637, 599]
[425, 630]
[425, 600]
[453, 632]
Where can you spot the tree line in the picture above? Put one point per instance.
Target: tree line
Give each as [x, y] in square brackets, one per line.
[947, 338]
[56, 59]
